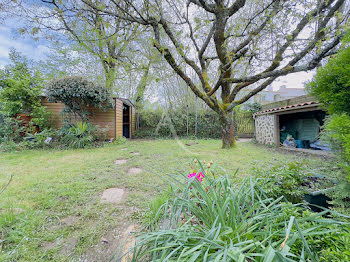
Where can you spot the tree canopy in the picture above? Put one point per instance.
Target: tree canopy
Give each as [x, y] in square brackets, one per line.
[332, 83]
[20, 86]
[228, 51]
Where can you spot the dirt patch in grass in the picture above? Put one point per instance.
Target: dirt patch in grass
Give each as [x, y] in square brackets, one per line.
[120, 161]
[113, 195]
[65, 222]
[69, 246]
[128, 239]
[116, 242]
[48, 245]
[134, 171]
[104, 250]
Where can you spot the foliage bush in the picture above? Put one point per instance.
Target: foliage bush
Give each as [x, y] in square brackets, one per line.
[46, 138]
[21, 88]
[79, 95]
[215, 219]
[157, 123]
[11, 130]
[119, 140]
[282, 180]
[332, 86]
[332, 83]
[337, 132]
[78, 135]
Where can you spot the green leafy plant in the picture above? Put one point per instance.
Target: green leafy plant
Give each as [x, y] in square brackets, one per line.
[21, 88]
[282, 180]
[45, 139]
[337, 133]
[331, 86]
[331, 83]
[215, 219]
[156, 123]
[119, 140]
[79, 95]
[78, 135]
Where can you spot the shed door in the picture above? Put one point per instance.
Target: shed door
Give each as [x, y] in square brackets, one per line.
[126, 121]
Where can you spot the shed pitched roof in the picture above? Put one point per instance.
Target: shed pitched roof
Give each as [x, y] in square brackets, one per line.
[289, 107]
[126, 101]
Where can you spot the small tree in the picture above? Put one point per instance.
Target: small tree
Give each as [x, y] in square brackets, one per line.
[78, 94]
[21, 90]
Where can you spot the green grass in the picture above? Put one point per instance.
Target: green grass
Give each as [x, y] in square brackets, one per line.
[52, 209]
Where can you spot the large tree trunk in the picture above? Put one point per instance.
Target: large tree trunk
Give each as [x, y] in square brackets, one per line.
[140, 90]
[228, 132]
[110, 77]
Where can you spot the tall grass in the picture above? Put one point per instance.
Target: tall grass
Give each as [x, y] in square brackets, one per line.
[218, 220]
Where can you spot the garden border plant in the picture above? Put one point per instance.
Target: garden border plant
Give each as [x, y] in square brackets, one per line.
[218, 220]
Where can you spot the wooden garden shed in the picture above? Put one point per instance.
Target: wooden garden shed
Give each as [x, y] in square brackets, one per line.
[120, 119]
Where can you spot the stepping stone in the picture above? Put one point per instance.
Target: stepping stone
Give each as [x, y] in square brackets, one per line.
[134, 171]
[124, 148]
[112, 195]
[120, 161]
[134, 153]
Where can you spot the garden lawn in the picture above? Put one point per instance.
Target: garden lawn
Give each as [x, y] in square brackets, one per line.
[52, 209]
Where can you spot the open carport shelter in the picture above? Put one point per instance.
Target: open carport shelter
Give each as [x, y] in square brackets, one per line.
[300, 117]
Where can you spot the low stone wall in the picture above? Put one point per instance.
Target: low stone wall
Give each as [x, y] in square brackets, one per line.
[265, 129]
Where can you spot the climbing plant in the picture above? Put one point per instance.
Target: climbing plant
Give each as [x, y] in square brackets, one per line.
[79, 95]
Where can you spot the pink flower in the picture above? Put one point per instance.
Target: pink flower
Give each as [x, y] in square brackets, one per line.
[199, 176]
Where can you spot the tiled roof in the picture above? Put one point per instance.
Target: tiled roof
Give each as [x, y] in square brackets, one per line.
[283, 108]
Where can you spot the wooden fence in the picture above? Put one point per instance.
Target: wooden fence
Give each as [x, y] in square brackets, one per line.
[244, 123]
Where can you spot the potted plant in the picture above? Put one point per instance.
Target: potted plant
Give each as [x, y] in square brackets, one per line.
[316, 186]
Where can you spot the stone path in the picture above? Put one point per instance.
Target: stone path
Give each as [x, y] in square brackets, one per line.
[112, 195]
[120, 161]
[134, 171]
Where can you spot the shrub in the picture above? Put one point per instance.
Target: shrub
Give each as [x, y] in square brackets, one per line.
[11, 130]
[331, 83]
[331, 86]
[100, 133]
[217, 220]
[47, 138]
[21, 90]
[282, 180]
[337, 132]
[156, 123]
[120, 140]
[79, 95]
[78, 135]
